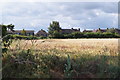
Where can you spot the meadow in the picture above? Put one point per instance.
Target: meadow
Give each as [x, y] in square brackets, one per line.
[62, 58]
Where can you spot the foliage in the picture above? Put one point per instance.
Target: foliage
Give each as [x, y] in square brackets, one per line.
[23, 32]
[6, 39]
[54, 29]
[4, 30]
[24, 37]
[53, 63]
[23, 65]
[6, 42]
[30, 64]
[88, 35]
[10, 27]
[68, 68]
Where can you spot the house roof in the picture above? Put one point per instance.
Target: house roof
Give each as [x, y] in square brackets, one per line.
[19, 31]
[25, 30]
[88, 31]
[41, 31]
[103, 30]
[70, 29]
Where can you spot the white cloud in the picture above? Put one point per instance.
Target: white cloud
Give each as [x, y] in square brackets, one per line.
[70, 14]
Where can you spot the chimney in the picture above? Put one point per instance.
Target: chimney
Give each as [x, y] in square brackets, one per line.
[72, 28]
[99, 29]
[79, 29]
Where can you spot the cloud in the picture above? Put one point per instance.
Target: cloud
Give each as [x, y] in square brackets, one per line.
[84, 15]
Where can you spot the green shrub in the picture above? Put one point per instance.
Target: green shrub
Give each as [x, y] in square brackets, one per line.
[68, 68]
[24, 37]
[6, 42]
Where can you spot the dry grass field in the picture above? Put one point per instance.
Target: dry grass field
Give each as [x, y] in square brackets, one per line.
[62, 58]
[92, 46]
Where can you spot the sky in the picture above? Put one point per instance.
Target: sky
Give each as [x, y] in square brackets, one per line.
[39, 15]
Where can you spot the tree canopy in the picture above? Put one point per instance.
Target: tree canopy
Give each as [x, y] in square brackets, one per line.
[54, 29]
[23, 32]
[4, 28]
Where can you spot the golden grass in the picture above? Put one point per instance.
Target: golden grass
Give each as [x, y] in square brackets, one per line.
[92, 46]
[94, 58]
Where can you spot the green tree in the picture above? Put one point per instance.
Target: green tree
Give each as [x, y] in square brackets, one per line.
[10, 27]
[4, 28]
[23, 32]
[6, 39]
[54, 29]
[77, 35]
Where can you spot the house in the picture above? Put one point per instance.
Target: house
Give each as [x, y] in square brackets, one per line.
[42, 33]
[103, 30]
[68, 31]
[19, 32]
[97, 30]
[100, 30]
[117, 31]
[88, 30]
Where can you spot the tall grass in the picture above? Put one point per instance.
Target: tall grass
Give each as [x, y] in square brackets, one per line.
[48, 59]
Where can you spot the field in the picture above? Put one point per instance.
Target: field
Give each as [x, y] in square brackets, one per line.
[62, 58]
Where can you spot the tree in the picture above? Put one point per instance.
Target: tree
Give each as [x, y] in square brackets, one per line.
[6, 39]
[23, 32]
[4, 28]
[54, 29]
[10, 27]
[77, 35]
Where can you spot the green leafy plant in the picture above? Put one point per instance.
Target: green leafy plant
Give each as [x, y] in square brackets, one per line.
[6, 42]
[68, 68]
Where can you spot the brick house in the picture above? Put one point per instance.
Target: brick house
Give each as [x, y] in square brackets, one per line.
[100, 30]
[103, 30]
[117, 31]
[88, 30]
[68, 31]
[42, 33]
[19, 32]
[97, 30]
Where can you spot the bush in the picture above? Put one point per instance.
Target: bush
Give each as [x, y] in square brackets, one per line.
[23, 65]
[77, 35]
[6, 42]
[91, 35]
[48, 64]
[24, 37]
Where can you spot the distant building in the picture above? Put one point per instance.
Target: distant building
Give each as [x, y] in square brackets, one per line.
[103, 30]
[88, 31]
[42, 33]
[97, 30]
[100, 30]
[68, 31]
[19, 32]
[117, 31]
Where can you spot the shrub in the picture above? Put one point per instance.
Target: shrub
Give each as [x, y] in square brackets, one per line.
[24, 37]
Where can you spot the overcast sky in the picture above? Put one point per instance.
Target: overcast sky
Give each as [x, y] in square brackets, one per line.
[83, 15]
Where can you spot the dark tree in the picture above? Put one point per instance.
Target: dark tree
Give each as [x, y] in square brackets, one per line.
[54, 29]
[23, 32]
[4, 28]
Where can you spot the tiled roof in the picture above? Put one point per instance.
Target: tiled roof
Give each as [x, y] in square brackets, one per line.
[41, 31]
[19, 31]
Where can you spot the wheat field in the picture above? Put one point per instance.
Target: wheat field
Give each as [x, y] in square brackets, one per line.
[48, 58]
[93, 46]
